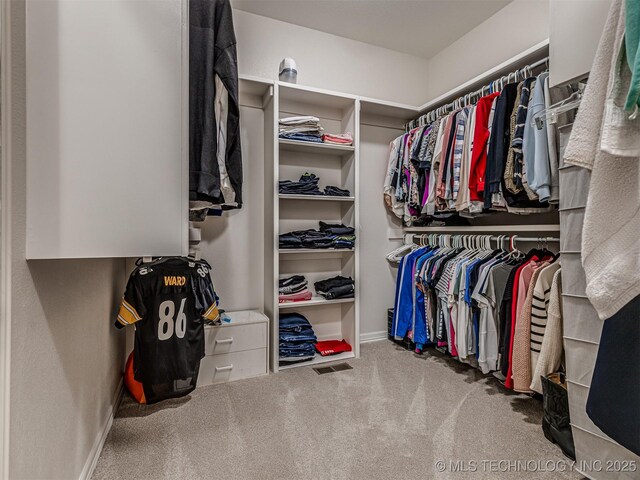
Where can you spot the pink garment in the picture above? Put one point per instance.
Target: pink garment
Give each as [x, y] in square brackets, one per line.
[295, 297]
[338, 139]
[524, 279]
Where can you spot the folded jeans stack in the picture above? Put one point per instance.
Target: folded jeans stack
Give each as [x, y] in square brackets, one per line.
[336, 229]
[297, 338]
[303, 128]
[336, 287]
[293, 289]
[338, 139]
[332, 191]
[307, 185]
[343, 236]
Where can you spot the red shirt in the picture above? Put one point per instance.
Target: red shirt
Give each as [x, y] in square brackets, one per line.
[479, 154]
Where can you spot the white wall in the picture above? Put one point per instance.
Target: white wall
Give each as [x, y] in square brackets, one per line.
[377, 276]
[575, 30]
[518, 26]
[328, 61]
[234, 243]
[65, 352]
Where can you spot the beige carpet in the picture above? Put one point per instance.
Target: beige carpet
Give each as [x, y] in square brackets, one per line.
[393, 416]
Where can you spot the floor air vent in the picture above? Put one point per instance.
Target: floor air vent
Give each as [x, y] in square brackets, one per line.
[333, 368]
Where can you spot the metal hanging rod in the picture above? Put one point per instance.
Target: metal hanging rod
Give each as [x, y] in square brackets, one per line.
[493, 237]
[476, 241]
[473, 96]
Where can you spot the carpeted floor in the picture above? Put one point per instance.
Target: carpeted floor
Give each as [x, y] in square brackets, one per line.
[395, 415]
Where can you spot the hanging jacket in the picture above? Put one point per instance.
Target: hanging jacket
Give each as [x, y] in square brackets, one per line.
[480, 139]
[215, 159]
[499, 141]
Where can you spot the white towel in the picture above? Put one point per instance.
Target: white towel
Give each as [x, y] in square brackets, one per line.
[611, 232]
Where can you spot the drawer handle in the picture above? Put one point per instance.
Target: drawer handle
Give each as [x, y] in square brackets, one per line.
[224, 340]
[224, 369]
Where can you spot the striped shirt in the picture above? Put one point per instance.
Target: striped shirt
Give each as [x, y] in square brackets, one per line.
[540, 307]
[458, 150]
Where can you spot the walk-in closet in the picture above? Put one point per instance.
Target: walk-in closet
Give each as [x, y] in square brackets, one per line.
[355, 239]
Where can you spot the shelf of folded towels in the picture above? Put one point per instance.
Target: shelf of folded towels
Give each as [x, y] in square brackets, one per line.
[293, 291]
[299, 345]
[329, 236]
[306, 133]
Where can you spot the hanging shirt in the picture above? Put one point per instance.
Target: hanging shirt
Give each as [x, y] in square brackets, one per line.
[499, 141]
[463, 200]
[389, 189]
[458, 152]
[480, 144]
[535, 145]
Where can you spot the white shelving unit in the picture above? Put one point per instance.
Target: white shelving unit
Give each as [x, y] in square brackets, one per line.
[334, 165]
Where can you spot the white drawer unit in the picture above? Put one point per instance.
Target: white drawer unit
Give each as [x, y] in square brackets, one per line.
[226, 367]
[236, 349]
[236, 338]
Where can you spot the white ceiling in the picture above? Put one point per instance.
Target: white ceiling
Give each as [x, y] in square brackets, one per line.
[417, 27]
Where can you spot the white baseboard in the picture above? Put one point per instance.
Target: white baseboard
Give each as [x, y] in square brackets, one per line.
[373, 336]
[94, 454]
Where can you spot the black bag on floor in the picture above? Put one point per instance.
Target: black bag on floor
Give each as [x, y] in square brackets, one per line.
[556, 421]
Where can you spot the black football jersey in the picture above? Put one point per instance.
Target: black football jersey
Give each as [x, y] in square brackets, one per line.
[168, 300]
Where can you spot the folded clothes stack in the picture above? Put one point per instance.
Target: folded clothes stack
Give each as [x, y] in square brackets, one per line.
[329, 236]
[338, 139]
[336, 229]
[303, 128]
[336, 287]
[332, 347]
[293, 289]
[297, 338]
[336, 191]
[307, 185]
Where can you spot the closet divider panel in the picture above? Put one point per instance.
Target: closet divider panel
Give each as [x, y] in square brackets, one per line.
[271, 212]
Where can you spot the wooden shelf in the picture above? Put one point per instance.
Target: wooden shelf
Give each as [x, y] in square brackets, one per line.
[320, 198]
[315, 301]
[312, 147]
[320, 359]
